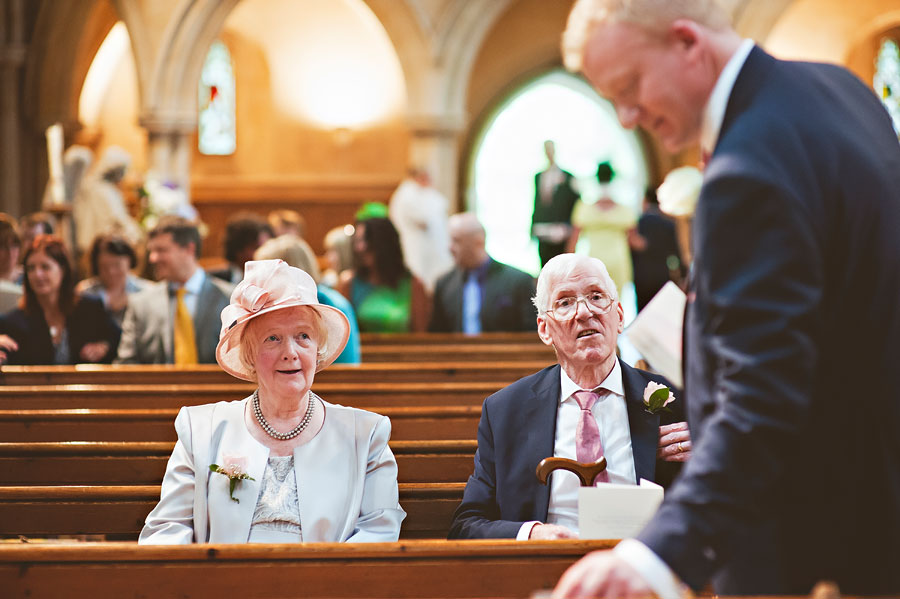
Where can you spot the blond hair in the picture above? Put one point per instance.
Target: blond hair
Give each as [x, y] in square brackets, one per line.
[652, 15]
[293, 250]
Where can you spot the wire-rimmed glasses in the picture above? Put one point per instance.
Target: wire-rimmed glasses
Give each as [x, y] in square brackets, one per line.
[565, 308]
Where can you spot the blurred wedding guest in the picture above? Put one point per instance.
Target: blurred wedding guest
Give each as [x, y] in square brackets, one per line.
[589, 405]
[174, 321]
[297, 253]
[33, 224]
[10, 272]
[654, 251]
[300, 469]
[386, 297]
[287, 222]
[244, 232]
[554, 200]
[480, 294]
[338, 254]
[112, 280]
[100, 207]
[419, 213]
[52, 324]
[605, 225]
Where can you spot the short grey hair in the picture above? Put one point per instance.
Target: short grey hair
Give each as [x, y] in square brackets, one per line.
[560, 268]
[653, 15]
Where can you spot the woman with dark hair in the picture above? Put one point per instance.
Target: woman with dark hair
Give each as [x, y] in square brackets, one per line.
[386, 297]
[112, 262]
[52, 325]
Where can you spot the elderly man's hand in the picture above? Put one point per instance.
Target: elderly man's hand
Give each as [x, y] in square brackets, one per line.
[7, 345]
[549, 532]
[94, 352]
[674, 442]
[601, 574]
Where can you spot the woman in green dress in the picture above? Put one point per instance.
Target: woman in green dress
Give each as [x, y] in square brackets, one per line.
[386, 297]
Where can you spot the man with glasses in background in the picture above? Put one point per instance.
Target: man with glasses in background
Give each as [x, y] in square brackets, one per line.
[588, 405]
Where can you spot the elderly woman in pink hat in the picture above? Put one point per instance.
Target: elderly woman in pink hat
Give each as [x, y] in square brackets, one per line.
[283, 465]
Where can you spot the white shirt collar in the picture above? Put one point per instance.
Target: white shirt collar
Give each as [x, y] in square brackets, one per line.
[612, 382]
[714, 112]
[193, 284]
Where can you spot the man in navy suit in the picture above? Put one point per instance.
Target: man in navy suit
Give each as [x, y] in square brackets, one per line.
[536, 417]
[793, 317]
[480, 294]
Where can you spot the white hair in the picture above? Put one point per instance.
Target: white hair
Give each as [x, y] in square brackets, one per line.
[653, 15]
[560, 268]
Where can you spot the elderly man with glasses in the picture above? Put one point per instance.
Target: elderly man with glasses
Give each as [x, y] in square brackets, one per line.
[588, 405]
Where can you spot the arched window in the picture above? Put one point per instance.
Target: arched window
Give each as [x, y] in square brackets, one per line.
[216, 120]
[887, 78]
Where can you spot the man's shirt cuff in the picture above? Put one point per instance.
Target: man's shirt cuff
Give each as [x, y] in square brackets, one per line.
[525, 530]
[653, 570]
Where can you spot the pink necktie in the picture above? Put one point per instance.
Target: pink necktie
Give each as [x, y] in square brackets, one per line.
[587, 434]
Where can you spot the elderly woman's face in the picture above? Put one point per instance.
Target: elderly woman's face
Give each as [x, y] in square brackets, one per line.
[287, 347]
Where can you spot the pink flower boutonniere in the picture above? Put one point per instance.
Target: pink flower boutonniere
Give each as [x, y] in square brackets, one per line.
[657, 397]
[234, 469]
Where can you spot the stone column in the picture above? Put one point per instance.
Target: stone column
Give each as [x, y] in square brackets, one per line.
[12, 58]
[434, 145]
[169, 149]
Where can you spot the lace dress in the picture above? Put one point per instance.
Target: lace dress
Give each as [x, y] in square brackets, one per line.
[277, 515]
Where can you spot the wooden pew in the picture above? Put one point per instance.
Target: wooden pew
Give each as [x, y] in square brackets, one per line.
[21, 426]
[392, 372]
[136, 463]
[159, 396]
[495, 338]
[119, 511]
[436, 569]
[460, 351]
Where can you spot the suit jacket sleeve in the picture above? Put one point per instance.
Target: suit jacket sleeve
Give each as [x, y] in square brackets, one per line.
[380, 512]
[478, 516]
[440, 321]
[172, 520]
[759, 299]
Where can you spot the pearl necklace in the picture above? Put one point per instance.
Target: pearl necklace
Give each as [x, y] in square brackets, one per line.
[291, 433]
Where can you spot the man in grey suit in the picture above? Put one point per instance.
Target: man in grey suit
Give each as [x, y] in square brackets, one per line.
[480, 294]
[148, 331]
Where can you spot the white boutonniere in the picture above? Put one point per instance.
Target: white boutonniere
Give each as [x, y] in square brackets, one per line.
[657, 397]
[235, 470]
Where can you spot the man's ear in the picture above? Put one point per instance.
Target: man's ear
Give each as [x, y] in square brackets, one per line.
[543, 333]
[621, 312]
[685, 34]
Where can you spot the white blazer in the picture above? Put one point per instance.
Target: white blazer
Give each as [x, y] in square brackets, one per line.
[346, 479]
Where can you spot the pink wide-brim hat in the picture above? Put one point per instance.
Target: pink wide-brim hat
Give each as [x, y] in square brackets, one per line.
[271, 285]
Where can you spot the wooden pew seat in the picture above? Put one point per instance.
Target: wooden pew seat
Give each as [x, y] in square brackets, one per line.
[358, 395]
[20, 426]
[504, 372]
[119, 511]
[137, 463]
[436, 569]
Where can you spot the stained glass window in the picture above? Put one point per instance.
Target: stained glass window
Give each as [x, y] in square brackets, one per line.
[887, 79]
[216, 121]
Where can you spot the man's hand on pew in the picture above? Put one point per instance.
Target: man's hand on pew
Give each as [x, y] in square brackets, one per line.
[549, 532]
[601, 574]
[7, 345]
[94, 352]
